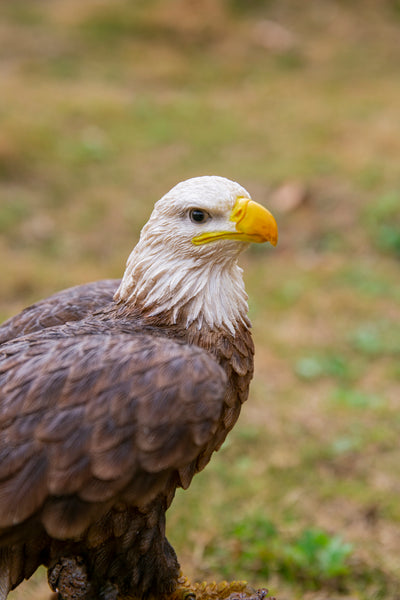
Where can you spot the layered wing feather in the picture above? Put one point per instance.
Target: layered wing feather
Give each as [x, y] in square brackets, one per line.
[89, 419]
[72, 304]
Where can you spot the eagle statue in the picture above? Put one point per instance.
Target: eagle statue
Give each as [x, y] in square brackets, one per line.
[115, 393]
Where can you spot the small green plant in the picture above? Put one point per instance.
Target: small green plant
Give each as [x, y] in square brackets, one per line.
[314, 367]
[374, 338]
[313, 558]
[258, 541]
[354, 398]
[316, 556]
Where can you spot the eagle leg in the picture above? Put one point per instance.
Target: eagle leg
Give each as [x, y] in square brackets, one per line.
[69, 578]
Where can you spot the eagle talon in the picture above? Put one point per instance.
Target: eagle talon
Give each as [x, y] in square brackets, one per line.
[68, 570]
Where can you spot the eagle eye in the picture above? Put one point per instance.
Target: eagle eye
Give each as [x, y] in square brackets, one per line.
[197, 215]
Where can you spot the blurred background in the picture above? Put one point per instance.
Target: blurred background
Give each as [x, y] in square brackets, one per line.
[106, 105]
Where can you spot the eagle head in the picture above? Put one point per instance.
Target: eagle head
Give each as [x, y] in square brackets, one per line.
[186, 257]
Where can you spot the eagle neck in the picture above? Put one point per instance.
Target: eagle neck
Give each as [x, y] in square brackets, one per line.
[191, 292]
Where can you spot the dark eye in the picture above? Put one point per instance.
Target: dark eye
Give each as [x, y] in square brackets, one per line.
[197, 215]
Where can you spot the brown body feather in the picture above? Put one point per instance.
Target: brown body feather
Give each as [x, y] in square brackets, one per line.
[103, 414]
[72, 304]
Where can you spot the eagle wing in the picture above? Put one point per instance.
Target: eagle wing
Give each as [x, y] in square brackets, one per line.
[72, 304]
[88, 419]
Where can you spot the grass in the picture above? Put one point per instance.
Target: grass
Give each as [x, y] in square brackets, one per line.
[103, 109]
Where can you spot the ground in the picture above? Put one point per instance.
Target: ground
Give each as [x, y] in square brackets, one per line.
[103, 108]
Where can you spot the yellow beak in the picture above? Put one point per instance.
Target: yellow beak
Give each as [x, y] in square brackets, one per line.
[254, 223]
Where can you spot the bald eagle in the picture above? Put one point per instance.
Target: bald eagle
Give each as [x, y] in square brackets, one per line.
[113, 394]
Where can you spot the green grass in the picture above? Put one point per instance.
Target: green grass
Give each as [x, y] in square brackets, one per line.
[103, 110]
[314, 558]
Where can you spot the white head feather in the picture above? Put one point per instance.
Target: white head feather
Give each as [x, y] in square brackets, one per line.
[167, 273]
